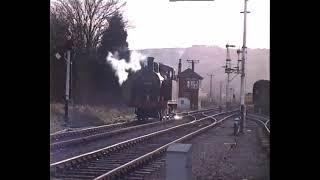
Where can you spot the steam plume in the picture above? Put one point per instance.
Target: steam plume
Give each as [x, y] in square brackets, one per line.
[180, 52]
[121, 66]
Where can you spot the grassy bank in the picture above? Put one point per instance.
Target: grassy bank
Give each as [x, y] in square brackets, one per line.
[86, 116]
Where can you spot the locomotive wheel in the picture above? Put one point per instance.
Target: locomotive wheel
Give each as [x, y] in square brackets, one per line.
[142, 115]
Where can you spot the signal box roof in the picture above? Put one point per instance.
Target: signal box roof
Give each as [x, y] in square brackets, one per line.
[188, 73]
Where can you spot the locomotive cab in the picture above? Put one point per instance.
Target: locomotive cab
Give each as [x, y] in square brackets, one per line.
[150, 90]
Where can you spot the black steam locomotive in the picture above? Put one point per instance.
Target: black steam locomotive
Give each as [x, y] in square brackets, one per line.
[261, 97]
[149, 90]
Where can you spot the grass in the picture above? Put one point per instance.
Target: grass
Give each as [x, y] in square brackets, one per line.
[86, 116]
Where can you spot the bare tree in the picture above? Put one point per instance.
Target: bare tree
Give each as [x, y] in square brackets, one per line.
[87, 19]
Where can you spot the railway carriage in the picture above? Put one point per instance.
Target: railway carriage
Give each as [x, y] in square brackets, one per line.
[261, 96]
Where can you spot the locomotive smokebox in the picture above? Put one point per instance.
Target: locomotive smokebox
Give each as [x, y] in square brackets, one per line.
[150, 63]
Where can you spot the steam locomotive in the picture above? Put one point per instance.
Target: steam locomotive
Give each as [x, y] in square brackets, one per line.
[261, 96]
[149, 91]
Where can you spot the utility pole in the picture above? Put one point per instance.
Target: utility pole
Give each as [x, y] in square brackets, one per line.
[233, 96]
[67, 93]
[214, 92]
[220, 99]
[192, 63]
[243, 75]
[68, 46]
[211, 75]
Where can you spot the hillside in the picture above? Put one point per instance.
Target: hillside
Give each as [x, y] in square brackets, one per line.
[212, 58]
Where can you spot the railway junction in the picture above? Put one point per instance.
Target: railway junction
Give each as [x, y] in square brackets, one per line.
[144, 151]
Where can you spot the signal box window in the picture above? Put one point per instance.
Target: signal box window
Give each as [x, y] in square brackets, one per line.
[193, 84]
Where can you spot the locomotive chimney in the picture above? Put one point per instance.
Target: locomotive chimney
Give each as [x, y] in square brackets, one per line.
[150, 63]
[179, 67]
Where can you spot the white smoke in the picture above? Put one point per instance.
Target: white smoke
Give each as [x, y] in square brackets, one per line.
[120, 65]
[180, 52]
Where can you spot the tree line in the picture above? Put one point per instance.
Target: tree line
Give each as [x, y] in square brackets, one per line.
[96, 27]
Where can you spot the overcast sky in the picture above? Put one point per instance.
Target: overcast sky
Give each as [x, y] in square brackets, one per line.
[164, 24]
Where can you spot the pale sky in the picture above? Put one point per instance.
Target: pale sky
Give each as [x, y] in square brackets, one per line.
[164, 24]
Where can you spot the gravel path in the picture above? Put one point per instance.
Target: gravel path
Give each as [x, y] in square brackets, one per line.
[215, 156]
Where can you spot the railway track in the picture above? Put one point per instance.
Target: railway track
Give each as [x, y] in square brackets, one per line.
[260, 116]
[118, 160]
[265, 135]
[61, 140]
[63, 136]
[74, 147]
[263, 120]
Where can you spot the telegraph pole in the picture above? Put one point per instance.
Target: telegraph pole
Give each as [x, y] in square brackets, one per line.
[68, 78]
[192, 63]
[220, 99]
[67, 93]
[233, 96]
[243, 75]
[211, 75]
